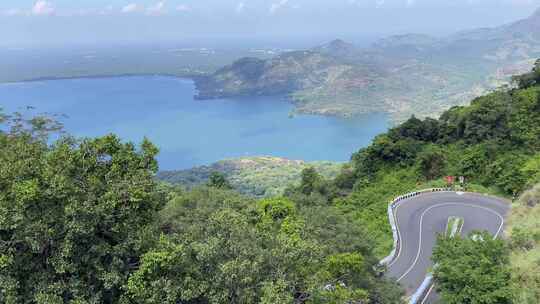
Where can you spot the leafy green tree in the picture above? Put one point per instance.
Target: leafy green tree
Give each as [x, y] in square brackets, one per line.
[505, 172]
[346, 178]
[472, 270]
[218, 180]
[524, 121]
[73, 215]
[276, 208]
[401, 152]
[414, 128]
[473, 161]
[218, 262]
[311, 180]
[431, 162]
[313, 189]
[276, 292]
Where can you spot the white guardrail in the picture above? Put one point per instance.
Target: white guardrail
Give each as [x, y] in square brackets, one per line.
[422, 291]
[426, 284]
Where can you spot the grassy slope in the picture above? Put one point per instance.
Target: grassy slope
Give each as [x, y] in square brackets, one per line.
[524, 229]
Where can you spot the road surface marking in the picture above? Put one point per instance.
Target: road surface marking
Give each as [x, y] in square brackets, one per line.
[422, 220]
[428, 292]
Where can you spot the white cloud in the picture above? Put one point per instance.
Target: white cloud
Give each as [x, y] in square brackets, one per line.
[183, 8]
[157, 9]
[42, 8]
[240, 7]
[277, 6]
[131, 8]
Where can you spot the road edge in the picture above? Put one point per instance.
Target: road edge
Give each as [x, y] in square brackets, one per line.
[427, 285]
[388, 260]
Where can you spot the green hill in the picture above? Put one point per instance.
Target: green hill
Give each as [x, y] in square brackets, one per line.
[254, 176]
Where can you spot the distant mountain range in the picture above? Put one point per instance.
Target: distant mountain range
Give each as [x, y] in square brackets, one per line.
[401, 75]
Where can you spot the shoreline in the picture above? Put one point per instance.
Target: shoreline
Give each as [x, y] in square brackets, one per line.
[98, 76]
[193, 77]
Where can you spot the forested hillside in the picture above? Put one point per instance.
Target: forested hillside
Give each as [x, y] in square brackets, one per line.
[494, 143]
[85, 221]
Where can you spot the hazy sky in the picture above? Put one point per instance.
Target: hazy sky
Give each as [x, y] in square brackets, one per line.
[50, 22]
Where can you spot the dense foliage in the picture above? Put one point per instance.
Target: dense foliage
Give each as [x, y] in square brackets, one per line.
[219, 247]
[472, 270]
[72, 215]
[84, 221]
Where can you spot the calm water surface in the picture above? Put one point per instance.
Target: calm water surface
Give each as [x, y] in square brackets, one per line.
[190, 132]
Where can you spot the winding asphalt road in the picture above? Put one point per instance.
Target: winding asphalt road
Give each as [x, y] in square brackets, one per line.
[420, 218]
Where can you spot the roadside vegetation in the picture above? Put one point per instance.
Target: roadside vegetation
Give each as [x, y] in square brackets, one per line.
[524, 231]
[474, 269]
[85, 220]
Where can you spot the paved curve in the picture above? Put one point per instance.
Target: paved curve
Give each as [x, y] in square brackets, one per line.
[420, 218]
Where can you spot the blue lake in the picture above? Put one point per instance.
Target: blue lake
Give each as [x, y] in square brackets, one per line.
[187, 131]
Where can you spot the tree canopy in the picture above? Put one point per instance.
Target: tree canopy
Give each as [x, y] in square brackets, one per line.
[472, 270]
[85, 221]
[72, 215]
